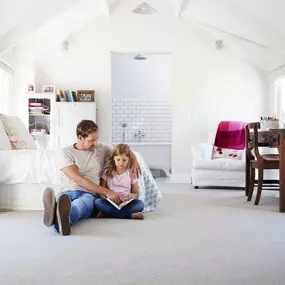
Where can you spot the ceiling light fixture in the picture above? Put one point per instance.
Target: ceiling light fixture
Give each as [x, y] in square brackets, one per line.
[144, 9]
[219, 44]
[139, 57]
[64, 45]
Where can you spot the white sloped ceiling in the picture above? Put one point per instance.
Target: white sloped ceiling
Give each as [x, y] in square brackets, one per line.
[253, 29]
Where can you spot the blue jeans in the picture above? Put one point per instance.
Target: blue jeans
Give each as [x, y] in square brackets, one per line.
[109, 210]
[82, 204]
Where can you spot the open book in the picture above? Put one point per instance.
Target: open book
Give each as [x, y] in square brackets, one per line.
[122, 205]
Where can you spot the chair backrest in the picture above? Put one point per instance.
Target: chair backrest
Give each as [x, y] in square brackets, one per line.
[252, 140]
[248, 142]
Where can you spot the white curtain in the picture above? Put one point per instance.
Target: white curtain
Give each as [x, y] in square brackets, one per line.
[280, 100]
[5, 91]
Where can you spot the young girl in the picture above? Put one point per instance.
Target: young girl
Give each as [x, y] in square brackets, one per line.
[117, 177]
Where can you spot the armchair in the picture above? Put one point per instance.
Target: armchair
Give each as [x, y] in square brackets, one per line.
[223, 171]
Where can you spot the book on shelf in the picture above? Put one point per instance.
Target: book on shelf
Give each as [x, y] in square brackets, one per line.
[35, 104]
[39, 111]
[39, 131]
[66, 96]
[73, 93]
[39, 106]
[121, 205]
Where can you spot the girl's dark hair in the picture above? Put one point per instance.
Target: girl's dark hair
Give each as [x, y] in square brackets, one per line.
[119, 149]
[85, 127]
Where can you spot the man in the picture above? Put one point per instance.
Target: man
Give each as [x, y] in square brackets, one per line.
[80, 165]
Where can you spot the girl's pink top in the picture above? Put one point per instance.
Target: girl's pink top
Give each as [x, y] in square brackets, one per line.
[122, 183]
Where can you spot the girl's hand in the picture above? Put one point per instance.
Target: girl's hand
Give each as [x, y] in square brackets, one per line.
[129, 197]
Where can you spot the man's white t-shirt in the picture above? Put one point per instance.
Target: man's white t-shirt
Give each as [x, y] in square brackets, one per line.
[89, 163]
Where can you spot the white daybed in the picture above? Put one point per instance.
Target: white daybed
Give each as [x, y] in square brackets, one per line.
[25, 173]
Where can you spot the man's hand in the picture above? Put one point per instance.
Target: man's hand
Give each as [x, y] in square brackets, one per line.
[113, 196]
[135, 167]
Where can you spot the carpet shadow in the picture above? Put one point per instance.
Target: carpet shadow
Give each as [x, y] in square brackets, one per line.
[267, 203]
[106, 227]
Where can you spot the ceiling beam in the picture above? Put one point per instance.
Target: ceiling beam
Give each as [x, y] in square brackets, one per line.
[107, 6]
[209, 37]
[179, 7]
[250, 25]
[266, 46]
[111, 5]
[32, 23]
[6, 67]
[50, 36]
[47, 35]
[276, 68]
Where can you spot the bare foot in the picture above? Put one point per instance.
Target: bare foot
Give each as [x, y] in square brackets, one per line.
[137, 216]
[100, 215]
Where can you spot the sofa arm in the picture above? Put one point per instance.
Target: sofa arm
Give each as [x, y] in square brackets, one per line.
[243, 157]
[202, 151]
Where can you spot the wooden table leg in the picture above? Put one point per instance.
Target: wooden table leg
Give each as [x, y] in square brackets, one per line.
[247, 175]
[282, 171]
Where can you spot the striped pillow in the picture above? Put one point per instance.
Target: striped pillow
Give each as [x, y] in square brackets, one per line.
[16, 143]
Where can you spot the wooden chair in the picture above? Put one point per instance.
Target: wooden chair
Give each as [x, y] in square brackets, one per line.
[260, 162]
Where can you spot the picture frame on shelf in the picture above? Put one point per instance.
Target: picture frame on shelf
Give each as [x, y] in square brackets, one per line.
[85, 96]
[31, 88]
[48, 89]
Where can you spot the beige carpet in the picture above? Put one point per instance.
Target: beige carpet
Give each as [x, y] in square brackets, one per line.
[195, 237]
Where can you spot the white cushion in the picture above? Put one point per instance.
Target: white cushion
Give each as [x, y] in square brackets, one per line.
[219, 153]
[4, 141]
[202, 151]
[219, 164]
[15, 127]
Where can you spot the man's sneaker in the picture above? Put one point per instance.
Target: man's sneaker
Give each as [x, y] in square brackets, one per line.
[62, 223]
[49, 207]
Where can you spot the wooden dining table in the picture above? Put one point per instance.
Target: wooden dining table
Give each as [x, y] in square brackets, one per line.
[271, 138]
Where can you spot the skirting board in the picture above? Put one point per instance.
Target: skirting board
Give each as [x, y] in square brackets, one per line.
[181, 178]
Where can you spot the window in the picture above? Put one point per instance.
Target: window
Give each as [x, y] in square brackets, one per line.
[5, 91]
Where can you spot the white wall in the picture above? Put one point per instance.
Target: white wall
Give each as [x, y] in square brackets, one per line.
[156, 156]
[148, 79]
[275, 92]
[208, 85]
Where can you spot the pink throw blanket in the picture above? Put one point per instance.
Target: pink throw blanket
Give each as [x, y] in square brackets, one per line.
[231, 134]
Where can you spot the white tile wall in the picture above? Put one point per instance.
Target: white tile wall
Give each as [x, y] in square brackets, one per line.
[152, 118]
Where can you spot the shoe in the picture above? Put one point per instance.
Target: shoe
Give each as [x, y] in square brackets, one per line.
[49, 207]
[62, 223]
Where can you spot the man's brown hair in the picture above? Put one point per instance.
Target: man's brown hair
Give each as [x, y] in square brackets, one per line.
[85, 127]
